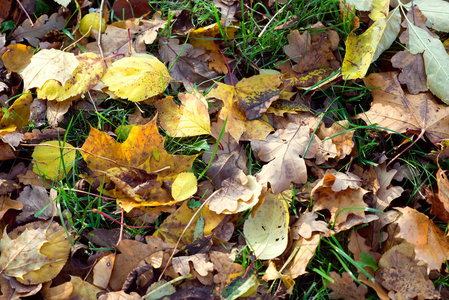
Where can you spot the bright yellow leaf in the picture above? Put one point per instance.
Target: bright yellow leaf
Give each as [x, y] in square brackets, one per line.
[137, 78]
[17, 57]
[54, 161]
[184, 186]
[191, 118]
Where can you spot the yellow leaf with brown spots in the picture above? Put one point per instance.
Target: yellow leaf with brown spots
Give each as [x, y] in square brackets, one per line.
[137, 78]
[238, 124]
[360, 49]
[87, 75]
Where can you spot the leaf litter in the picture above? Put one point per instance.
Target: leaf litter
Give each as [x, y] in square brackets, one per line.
[276, 179]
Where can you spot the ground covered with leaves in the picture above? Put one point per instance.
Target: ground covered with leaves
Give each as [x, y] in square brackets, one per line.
[224, 149]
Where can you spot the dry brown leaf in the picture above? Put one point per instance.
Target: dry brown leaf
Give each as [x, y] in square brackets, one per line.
[200, 261]
[62, 291]
[406, 280]
[306, 249]
[33, 32]
[413, 73]
[306, 225]
[83, 289]
[342, 141]
[103, 270]
[431, 245]
[34, 200]
[284, 152]
[344, 287]
[7, 203]
[402, 112]
[336, 192]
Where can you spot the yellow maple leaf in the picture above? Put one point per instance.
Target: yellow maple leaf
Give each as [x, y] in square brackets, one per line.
[137, 78]
[237, 123]
[190, 118]
[140, 168]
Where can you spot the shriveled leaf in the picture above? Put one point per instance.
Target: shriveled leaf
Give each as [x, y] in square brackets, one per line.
[137, 78]
[306, 225]
[267, 231]
[7, 203]
[200, 262]
[49, 64]
[431, 245]
[191, 118]
[53, 161]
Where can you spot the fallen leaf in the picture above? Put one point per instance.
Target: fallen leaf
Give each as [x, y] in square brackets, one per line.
[33, 32]
[267, 231]
[62, 291]
[7, 203]
[56, 111]
[435, 12]
[53, 160]
[137, 78]
[201, 37]
[412, 73]
[237, 123]
[36, 200]
[131, 166]
[405, 280]
[102, 271]
[200, 262]
[234, 197]
[431, 245]
[307, 225]
[17, 57]
[360, 49]
[344, 287]
[190, 118]
[306, 249]
[337, 193]
[131, 8]
[284, 151]
[46, 65]
[83, 289]
[402, 112]
[184, 186]
[87, 75]
[36, 252]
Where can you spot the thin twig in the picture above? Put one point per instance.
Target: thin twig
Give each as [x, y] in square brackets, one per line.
[24, 10]
[266, 26]
[99, 30]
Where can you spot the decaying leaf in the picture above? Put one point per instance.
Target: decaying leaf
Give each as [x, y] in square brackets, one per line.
[431, 245]
[237, 123]
[402, 112]
[344, 287]
[267, 231]
[406, 280]
[33, 32]
[412, 73]
[307, 225]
